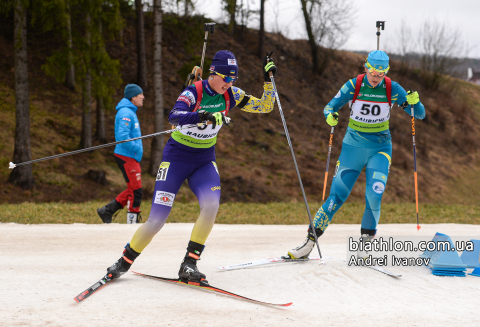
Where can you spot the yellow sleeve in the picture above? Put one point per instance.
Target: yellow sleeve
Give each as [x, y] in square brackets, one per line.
[255, 105]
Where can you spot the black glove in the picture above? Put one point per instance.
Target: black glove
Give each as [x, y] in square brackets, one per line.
[217, 118]
[268, 66]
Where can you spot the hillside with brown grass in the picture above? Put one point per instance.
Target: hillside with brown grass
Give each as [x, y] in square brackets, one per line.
[253, 155]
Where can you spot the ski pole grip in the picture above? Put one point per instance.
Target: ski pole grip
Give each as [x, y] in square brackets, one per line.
[210, 27]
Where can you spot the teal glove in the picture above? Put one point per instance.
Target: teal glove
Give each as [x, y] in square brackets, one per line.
[332, 119]
[412, 97]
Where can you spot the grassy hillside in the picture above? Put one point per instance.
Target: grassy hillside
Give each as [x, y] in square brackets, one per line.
[253, 155]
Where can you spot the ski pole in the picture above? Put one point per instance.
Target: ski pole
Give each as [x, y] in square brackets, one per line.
[12, 165]
[380, 24]
[209, 27]
[415, 163]
[322, 262]
[197, 72]
[328, 163]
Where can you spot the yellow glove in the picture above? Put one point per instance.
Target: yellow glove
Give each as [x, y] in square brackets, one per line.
[332, 119]
[412, 97]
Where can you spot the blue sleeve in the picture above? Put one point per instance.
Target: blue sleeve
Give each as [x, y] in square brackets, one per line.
[399, 95]
[125, 123]
[182, 112]
[343, 96]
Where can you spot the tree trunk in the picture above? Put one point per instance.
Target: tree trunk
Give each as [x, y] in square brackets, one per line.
[231, 9]
[187, 2]
[101, 134]
[21, 175]
[158, 141]
[70, 76]
[311, 38]
[86, 140]
[141, 55]
[261, 33]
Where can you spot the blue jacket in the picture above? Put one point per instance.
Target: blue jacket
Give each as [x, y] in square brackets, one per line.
[127, 127]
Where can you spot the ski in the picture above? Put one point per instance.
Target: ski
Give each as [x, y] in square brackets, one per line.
[92, 289]
[376, 268]
[206, 286]
[386, 272]
[267, 262]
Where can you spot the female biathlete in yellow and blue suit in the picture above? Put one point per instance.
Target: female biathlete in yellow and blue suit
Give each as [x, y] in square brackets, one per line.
[367, 143]
[190, 155]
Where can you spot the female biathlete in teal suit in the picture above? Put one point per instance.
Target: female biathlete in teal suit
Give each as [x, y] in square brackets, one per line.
[367, 143]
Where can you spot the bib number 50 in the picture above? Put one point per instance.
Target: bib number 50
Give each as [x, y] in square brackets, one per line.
[366, 110]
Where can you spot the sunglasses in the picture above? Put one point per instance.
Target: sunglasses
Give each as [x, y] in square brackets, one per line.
[226, 79]
[375, 72]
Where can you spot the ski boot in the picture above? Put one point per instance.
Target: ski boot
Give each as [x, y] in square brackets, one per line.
[122, 265]
[189, 272]
[367, 236]
[303, 251]
[106, 212]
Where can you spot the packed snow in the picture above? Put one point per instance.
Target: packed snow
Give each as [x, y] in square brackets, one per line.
[43, 267]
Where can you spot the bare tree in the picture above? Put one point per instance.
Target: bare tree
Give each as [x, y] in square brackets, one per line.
[21, 175]
[406, 46]
[231, 8]
[327, 23]
[86, 138]
[141, 53]
[157, 143]
[261, 32]
[100, 133]
[441, 48]
[70, 75]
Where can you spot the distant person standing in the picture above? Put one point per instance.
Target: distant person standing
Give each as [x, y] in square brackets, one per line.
[127, 156]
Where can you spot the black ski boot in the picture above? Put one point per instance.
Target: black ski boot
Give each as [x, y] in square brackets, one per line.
[106, 212]
[188, 272]
[122, 265]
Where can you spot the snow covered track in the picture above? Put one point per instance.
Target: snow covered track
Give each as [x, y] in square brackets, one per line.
[44, 266]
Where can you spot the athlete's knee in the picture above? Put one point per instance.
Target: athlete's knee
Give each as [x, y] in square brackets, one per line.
[374, 194]
[210, 206]
[154, 224]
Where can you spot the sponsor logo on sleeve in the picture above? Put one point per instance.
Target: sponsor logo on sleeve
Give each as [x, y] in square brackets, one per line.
[164, 198]
[216, 188]
[378, 187]
[232, 61]
[125, 118]
[136, 125]
[187, 97]
[338, 94]
[162, 171]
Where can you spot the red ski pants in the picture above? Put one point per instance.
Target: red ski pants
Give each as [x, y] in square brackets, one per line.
[132, 173]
